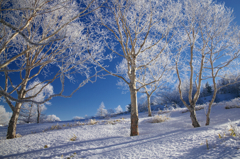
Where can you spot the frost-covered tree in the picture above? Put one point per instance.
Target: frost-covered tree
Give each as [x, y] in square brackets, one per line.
[101, 110]
[154, 76]
[171, 95]
[118, 109]
[4, 116]
[31, 109]
[128, 108]
[161, 73]
[52, 118]
[138, 32]
[208, 37]
[77, 118]
[46, 38]
[28, 113]
[229, 83]
[222, 40]
[207, 90]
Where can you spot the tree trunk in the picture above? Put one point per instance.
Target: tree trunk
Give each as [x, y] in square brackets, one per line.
[30, 114]
[194, 117]
[210, 105]
[134, 113]
[207, 120]
[149, 105]
[38, 114]
[38, 118]
[13, 122]
[208, 114]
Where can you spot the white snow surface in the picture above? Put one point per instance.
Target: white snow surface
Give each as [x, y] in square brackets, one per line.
[174, 138]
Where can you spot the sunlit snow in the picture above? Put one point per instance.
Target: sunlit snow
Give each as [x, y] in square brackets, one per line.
[110, 138]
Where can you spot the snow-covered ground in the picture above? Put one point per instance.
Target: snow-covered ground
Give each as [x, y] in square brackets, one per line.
[174, 138]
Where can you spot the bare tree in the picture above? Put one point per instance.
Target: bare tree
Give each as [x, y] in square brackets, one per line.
[156, 75]
[137, 32]
[43, 26]
[223, 49]
[194, 14]
[203, 25]
[160, 74]
[31, 112]
[27, 113]
[43, 38]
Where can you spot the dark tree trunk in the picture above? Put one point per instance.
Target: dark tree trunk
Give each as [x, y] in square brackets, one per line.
[194, 118]
[38, 114]
[149, 106]
[30, 114]
[134, 113]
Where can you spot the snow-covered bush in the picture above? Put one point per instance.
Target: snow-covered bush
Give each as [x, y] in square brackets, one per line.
[92, 122]
[52, 118]
[73, 138]
[234, 103]
[77, 118]
[4, 116]
[233, 129]
[159, 118]
[55, 127]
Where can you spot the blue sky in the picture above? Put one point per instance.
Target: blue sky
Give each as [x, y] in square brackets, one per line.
[87, 99]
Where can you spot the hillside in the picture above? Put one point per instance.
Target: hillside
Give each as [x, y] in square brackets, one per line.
[174, 138]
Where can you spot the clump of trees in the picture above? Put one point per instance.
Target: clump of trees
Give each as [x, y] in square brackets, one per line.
[154, 42]
[206, 90]
[139, 33]
[210, 45]
[102, 112]
[46, 39]
[230, 83]
[31, 112]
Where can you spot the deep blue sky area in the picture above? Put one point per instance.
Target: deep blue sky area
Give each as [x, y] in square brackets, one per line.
[87, 99]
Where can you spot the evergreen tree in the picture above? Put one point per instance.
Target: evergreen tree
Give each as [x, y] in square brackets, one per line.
[129, 107]
[101, 110]
[118, 109]
[208, 88]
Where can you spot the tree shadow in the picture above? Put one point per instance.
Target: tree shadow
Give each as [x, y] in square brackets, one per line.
[212, 152]
[126, 142]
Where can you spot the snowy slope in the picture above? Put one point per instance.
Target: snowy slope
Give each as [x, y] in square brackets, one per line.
[174, 138]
